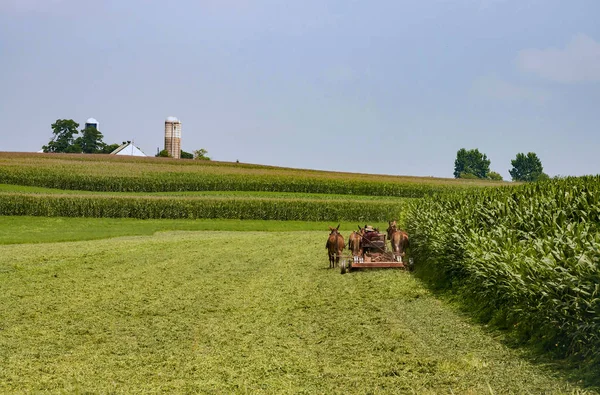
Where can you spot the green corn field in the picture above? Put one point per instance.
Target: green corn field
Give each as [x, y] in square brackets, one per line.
[109, 173]
[527, 258]
[145, 207]
[130, 187]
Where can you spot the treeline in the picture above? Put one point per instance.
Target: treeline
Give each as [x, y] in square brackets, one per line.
[64, 140]
[472, 164]
[525, 258]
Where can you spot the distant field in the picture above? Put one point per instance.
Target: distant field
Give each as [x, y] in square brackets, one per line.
[20, 189]
[127, 174]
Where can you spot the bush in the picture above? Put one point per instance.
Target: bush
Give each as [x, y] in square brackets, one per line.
[468, 176]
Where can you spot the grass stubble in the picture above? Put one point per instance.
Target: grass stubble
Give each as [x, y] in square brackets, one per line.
[236, 312]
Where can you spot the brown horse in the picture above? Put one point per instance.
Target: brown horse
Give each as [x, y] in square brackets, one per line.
[335, 245]
[399, 240]
[355, 241]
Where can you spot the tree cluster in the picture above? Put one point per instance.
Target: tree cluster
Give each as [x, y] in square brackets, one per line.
[198, 154]
[472, 164]
[64, 140]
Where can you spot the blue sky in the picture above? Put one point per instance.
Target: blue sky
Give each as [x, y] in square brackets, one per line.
[392, 87]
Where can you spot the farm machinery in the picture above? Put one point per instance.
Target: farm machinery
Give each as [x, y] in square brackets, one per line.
[374, 254]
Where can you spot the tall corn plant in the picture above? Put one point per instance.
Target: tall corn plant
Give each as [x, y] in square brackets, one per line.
[527, 258]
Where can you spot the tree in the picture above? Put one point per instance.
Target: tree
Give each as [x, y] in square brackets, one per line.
[90, 141]
[107, 149]
[186, 155]
[471, 162]
[492, 175]
[468, 176]
[163, 154]
[527, 168]
[200, 154]
[63, 140]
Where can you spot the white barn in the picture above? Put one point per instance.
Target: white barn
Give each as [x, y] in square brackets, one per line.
[128, 149]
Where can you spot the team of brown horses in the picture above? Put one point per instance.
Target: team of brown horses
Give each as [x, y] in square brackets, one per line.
[335, 242]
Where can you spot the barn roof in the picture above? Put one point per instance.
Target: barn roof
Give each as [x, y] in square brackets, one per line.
[128, 149]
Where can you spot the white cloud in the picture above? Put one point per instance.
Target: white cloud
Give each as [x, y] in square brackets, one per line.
[495, 88]
[578, 61]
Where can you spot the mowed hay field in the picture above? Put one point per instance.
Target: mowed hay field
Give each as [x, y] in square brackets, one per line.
[236, 312]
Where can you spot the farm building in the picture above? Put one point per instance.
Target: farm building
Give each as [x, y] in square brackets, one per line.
[128, 149]
[92, 123]
[173, 137]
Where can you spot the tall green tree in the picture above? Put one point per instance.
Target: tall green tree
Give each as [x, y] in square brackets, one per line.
[527, 168]
[90, 141]
[64, 131]
[471, 162]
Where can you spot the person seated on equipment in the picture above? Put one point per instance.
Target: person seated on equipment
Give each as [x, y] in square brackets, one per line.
[370, 232]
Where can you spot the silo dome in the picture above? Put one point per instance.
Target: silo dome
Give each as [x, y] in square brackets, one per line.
[91, 120]
[172, 119]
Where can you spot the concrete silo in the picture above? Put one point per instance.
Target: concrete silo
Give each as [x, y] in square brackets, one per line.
[173, 137]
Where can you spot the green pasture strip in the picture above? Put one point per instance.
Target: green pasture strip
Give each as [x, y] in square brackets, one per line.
[145, 207]
[107, 173]
[23, 230]
[237, 312]
[8, 188]
[525, 258]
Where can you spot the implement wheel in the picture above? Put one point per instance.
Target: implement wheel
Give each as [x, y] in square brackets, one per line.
[343, 267]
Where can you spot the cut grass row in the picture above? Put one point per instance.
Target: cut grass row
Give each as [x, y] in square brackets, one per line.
[33, 230]
[108, 173]
[235, 312]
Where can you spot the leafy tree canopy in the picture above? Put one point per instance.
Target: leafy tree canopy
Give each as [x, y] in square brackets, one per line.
[163, 154]
[492, 175]
[471, 162]
[200, 154]
[64, 131]
[468, 176]
[186, 155]
[91, 141]
[108, 148]
[527, 168]
[63, 140]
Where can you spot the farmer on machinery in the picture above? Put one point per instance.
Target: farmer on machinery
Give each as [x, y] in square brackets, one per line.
[370, 232]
